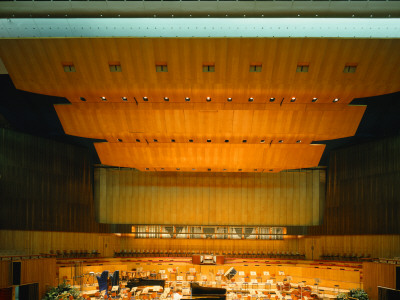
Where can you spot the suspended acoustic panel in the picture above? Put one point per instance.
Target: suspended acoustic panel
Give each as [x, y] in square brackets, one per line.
[267, 123]
[36, 65]
[209, 157]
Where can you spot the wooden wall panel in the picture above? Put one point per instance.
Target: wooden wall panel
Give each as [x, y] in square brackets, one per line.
[45, 185]
[191, 198]
[363, 190]
[377, 274]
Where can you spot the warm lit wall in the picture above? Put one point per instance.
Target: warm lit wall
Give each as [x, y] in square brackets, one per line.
[377, 274]
[134, 197]
[42, 271]
[35, 242]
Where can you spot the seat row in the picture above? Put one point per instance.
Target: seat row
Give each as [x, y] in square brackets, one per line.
[345, 256]
[75, 253]
[189, 253]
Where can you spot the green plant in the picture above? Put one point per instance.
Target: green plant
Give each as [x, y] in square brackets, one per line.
[359, 294]
[62, 291]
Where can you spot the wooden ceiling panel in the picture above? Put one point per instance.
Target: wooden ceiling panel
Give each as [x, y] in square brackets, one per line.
[289, 123]
[218, 158]
[35, 65]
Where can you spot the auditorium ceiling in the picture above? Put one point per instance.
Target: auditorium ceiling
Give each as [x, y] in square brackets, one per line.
[207, 104]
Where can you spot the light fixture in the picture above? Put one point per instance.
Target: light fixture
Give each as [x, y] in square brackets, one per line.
[124, 99]
[229, 99]
[145, 99]
[166, 99]
[314, 99]
[272, 99]
[336, 100]
[293, 99]
[251, 99]
[82, 99]
[104, 98]
[187, 99]
[208, 99]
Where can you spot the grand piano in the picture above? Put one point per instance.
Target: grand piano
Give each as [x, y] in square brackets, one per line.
[207, 293]
[136, 282]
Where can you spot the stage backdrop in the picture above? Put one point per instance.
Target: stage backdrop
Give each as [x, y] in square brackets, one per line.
[125, 196]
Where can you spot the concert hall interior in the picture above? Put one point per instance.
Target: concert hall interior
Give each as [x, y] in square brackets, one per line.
[200, 149]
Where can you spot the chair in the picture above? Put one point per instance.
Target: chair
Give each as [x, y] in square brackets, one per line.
[102, 280]
[115, 278]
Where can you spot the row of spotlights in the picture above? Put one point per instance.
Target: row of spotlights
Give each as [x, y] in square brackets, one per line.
[209, 141]
[208, 99]
[193, 169]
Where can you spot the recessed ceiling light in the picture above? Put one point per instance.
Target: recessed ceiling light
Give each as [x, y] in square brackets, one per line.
[104, 98]
[280, 141]
[229, 99]
[272, 99]
[137, 140]
[298, 141]
[262, 141]
[208, 99]
[336, 100]
[155, 140]
[251, 99]
[226, 141]
[124, 98]
[314, 99]
[293, 99]
[145, 99]
[208, 141]
[187, 99]
[82, 99]
[166, 99]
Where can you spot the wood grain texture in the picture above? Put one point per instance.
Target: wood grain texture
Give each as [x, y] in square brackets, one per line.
[377, 274]
[36, 65]
[202, 157]
[191, 199]
[217, 122]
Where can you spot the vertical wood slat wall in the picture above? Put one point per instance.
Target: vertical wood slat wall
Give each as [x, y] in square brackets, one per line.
[376, 274]
[363, 190]
[126, 196]
[45, 185]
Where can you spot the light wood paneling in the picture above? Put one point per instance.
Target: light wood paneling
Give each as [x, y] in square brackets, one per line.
[35, 65]
[217, 158]
[191, 199]
[376, 274]
[218, 122]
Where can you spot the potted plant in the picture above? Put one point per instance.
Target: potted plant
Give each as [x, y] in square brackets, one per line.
[359, 294]
[63, 291]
